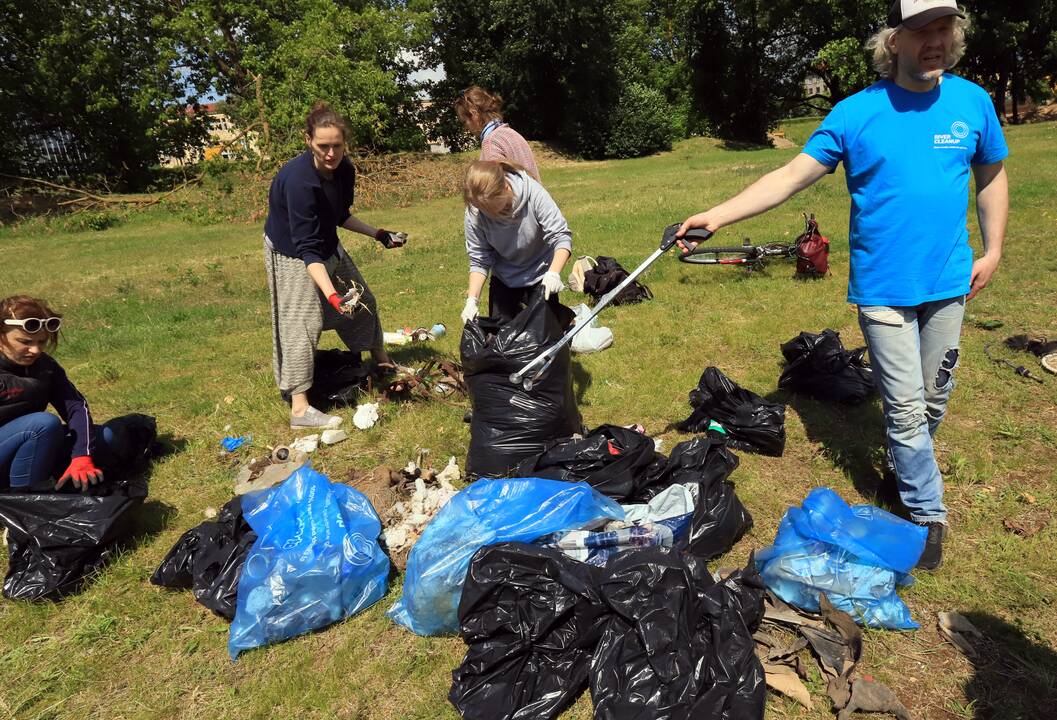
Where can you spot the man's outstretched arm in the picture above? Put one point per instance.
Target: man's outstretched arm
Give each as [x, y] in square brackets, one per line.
[771, 190]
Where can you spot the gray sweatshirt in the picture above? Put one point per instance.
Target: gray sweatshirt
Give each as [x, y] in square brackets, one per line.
[518, 249]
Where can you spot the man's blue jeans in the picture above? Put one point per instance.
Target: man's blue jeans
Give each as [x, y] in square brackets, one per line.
[913, 352]
[35, 448]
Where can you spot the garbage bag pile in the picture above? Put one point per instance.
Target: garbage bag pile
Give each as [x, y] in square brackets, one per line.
[652, 634]
[510, 423]
[623, 464]
[751, 423]
[316, 560]
[819, 366]
[487, 512]
[858, 556]
[208, 560]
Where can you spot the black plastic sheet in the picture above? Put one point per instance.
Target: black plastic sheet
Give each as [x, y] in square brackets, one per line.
[819, 366]
[208, 560]
[531, 617]
[510, 423]
[651, 633]
[752, 423]
[615, 461]
[678, 644]
[57, 539]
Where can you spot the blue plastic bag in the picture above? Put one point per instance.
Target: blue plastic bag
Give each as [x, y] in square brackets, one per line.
[487, 512]
[316, 560]
[857, 555]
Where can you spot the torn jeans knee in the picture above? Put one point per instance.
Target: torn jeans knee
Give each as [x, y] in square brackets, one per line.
[945, 374]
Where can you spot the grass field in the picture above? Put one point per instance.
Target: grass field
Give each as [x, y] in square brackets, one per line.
[170, 316]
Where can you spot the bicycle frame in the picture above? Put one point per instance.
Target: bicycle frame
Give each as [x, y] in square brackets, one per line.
[746, 253]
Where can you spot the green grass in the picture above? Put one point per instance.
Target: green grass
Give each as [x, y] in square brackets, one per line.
[170, 317]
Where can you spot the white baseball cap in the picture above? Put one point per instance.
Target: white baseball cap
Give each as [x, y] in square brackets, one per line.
[916, 14]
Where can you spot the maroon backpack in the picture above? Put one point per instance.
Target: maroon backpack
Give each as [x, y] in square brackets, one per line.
[812, 250]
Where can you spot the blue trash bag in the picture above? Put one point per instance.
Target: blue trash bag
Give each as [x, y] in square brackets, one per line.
[316, 560]
[487, 512]
[857, 555]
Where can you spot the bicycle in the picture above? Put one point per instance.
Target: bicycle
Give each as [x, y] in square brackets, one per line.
[748, 254]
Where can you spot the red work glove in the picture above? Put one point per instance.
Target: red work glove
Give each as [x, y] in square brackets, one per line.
[335, 301]
[82, 471]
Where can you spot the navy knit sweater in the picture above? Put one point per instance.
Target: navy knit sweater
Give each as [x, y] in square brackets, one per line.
[304, 210]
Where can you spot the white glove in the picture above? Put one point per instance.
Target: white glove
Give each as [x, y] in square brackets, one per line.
[552, 284]
[469, 311]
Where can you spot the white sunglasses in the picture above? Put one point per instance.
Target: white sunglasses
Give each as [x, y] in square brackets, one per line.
[34, 325]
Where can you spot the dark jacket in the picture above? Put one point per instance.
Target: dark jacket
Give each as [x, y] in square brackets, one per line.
[302, 220]
[25, 390]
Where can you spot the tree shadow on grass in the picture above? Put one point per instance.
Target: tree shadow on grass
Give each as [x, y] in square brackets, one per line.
[1014, 676]
[852, 437]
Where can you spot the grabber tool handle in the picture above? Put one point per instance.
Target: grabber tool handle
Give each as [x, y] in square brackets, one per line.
[697, 235]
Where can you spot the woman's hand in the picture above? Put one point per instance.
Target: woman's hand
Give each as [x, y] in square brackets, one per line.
[82, 471]
[469, 310]
[552, 284]
[390, 239]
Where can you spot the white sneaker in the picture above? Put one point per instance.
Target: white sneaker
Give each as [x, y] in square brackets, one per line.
[313, 420]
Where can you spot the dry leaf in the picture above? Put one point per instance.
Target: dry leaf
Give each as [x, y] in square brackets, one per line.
[784, 680]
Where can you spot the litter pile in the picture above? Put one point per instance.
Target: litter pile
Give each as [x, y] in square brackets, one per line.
[407, 499]
[436, 379]
[836, 643]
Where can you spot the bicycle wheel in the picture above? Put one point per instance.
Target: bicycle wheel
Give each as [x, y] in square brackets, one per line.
[715, 255]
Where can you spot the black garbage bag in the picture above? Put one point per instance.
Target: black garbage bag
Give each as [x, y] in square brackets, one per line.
[720, 519]
[55, 540]
[531, 617]
[615, 461]
[751, 423]
[134, 436]
[606, 275]
[678, 645]
[819, 366]
[208, 560]
[338, 378]
[510, 423]
[651, 633]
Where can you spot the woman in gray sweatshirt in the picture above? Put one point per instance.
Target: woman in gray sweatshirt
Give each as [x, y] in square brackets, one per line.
[514, 232]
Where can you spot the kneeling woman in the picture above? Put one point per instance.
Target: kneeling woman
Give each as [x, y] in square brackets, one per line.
[515, 232]
[308, 201]
[35, 445]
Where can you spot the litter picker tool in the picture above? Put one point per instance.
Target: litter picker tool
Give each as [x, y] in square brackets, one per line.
[534, 369]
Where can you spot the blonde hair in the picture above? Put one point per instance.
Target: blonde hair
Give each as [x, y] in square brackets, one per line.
[485, 182]
[885, 61]
[476, 100]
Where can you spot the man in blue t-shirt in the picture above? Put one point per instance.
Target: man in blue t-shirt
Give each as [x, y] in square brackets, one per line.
[908, 143]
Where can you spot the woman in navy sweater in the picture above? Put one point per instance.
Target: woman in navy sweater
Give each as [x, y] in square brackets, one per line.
[35, 445]
[308, 201]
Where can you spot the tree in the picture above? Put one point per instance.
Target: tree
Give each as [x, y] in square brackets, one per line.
[1012, 49]
[92, 74]
[748, 64]
[273, 59]
[563, 68]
